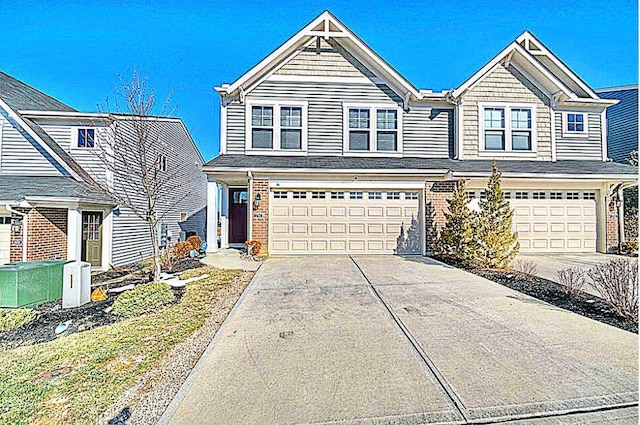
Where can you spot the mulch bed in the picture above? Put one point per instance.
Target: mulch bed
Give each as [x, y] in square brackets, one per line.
[553, 293]
[88, 316]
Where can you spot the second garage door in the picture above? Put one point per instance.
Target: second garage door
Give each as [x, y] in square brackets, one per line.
[345, 222]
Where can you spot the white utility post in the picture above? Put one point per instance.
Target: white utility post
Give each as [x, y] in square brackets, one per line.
[212, 215]
[74, 234]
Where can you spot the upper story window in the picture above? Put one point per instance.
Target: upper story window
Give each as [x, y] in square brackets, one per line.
[86, 137]
[274, 126]
[574, 124]
[162, 162]
[372, 129]
[507, 128]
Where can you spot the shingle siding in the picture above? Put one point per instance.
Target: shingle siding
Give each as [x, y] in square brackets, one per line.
[622, 123]
[509, 86]
[589, 147]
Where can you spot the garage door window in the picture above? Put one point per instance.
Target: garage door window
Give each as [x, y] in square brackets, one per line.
[318, 195]
[539, 195]
[573, 195]
[555, 195]
[589, 195]
[337, 195]
[375, 195]
[411, 195]
[393, 196]
[278, 194]
[299, 195]
[522, 195]
[355, 195]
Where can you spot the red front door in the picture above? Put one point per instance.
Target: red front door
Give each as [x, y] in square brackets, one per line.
[237, 215]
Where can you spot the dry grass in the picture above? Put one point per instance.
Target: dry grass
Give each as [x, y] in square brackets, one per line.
[13, 319]
[525, 266]
[75, 378]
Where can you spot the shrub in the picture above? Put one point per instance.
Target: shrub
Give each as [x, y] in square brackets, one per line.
[628, 247]
[13, 319]
[195, 242]
[617, 282]
[456, 242]
[497, 243]
[182, 249]
[572, 279]
[167, 258]
[253, 247]
[143, 299]
[525, 266]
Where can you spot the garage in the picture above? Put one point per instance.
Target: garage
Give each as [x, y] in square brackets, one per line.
[375, 221]
[5, 238]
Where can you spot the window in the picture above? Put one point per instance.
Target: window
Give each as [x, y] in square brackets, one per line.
[262, 127]
[162, 162]
[375, 195]
[589, 195]
[299, 195]
[393, 196]
[539, 195]
[5, 220]
[275, 126]
[522, 195]
[574, 124]
[555, 195]
[183, 216]
[355, 195]
[507, 195]
[573, 195]
[337, 195]
[471, 194]
[372, 129]
[483, 194]
[508, 128]
[291, 127]
[86, 137]
[318, 195]
[410, 196]
[280, 194]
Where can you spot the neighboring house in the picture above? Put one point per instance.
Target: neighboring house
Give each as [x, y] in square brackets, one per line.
[50, 167]
[622, 121]
[326, 149]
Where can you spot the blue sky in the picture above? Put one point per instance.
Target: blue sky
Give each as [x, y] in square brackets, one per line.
[75, 52]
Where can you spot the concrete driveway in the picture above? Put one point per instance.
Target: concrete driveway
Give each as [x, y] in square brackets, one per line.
[549, 264]
[390, 340]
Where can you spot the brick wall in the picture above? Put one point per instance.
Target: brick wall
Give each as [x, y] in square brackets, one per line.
[436, 196]
[260, 216]
[613, 229]
[46, 235]
[15, 250]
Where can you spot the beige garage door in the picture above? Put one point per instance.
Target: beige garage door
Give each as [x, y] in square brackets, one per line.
[5, 239]
[345, 222]
[563, 225]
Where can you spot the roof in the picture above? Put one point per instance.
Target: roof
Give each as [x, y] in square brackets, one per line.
[17, 188]
[617, 88]
[20, 96]
[230, 163]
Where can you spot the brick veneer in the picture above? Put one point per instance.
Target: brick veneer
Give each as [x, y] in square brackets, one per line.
[46, 237]
[436, 195]
[260, 215]
[613, 230]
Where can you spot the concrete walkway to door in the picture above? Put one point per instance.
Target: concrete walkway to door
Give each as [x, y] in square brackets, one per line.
[390, 340]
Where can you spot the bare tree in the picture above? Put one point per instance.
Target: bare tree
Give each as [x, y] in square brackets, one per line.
[135, 156]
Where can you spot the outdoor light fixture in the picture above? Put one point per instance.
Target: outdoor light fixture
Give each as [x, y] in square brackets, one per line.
[256, 201]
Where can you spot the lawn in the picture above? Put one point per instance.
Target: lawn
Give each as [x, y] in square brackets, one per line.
[73, 379]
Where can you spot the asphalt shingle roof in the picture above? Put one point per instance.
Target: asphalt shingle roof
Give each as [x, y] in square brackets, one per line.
[20, 96]
[16, 188]
[466, 166]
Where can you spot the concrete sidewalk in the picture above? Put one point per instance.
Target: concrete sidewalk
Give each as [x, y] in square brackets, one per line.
[390, 340]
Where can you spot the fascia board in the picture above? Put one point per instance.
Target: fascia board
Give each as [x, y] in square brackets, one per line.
[323, 171]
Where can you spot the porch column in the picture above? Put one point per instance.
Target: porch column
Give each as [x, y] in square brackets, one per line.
[212, 215]
[74, 234]
[224, 216]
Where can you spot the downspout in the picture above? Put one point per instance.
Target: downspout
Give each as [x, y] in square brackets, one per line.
[250, 206]
[24, 229]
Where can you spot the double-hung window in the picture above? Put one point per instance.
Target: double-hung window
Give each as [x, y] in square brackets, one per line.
[507, 128]
[86, 137]
[574, 124]
[274, 126]
[372, 129]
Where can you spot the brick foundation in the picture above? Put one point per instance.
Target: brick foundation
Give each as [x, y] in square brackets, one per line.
[260, 215]
[436, 195]
[46, 235]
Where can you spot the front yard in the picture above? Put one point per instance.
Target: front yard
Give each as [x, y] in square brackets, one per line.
[75, 379]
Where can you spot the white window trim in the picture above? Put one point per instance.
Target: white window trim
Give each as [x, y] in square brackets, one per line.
[76, 135]
[508, 151]
[276, 105]
[565, 122]
[373, 140]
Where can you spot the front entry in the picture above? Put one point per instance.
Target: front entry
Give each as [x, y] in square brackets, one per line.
[238, 215]
[92, 238]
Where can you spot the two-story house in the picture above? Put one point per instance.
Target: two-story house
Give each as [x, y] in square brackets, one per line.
[326, 149]
[622, 121]
[51, 169]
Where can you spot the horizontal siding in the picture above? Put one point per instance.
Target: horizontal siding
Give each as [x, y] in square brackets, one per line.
[579, 147]
[509, 86]
[235, 128]
[19, 157]
[131, 236]
[428, 132]
[622, 124]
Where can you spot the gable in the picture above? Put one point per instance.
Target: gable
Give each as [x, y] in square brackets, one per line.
[508, 84]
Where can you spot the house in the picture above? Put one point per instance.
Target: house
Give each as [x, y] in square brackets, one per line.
[327, 149]
[622, 121]
[50, 173]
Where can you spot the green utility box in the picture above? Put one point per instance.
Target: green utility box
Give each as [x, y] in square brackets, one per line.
[31, 283]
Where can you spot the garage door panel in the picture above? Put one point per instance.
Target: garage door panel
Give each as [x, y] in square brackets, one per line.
[345, 226]
[545, 225]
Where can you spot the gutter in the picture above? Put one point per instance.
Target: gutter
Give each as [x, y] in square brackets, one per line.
[438, 172]
[24, 229]
[626, 177]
